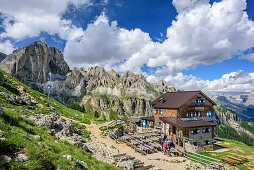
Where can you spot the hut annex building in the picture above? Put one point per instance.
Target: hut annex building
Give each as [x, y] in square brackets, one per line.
[188, 115]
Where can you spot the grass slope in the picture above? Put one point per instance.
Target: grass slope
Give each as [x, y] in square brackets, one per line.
[228, 146]
[47, 152]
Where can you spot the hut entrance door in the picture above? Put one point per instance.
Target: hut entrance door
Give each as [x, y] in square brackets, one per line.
[174, 129]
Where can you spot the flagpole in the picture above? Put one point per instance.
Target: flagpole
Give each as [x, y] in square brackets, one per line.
[49, 87]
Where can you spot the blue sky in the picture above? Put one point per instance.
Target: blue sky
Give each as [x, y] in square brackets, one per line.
[139, 36]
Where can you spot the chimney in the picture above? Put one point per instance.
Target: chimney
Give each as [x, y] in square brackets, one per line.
[162, 100]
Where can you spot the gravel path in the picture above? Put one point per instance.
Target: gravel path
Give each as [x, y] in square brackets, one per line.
[159, 160]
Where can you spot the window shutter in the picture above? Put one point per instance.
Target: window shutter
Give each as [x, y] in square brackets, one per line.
[208, 142]
[161, 112]
[203, 130]
[187, 114]
[204, 142]
[155, 111]
[191, 131]
[209, 129]
[197, 131]
[198, 114]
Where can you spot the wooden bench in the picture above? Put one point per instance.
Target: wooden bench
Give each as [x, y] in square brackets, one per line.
[234, 158]
[230, 161]
[240, 156]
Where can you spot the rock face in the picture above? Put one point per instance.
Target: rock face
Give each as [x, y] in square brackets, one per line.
[244, 99]
[1, 79]
[105, 92]
[35, 61]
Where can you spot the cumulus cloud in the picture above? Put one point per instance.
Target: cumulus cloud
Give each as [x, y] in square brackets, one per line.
[239, 81]
[28, 18]
[185, 5]
[105, 42]
[6, 47]
[201, 34]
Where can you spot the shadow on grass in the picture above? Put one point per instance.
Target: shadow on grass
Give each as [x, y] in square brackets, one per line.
[15, 122]
[8, 149]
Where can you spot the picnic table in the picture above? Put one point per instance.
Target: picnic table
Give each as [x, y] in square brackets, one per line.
[146, 149]
[172, 152]
[126, 137]
[144, 141]
[122, 157]
[155, 145]
[154, 139]
[230, 161]
[134, 142]
[240, 156]
[234, 158]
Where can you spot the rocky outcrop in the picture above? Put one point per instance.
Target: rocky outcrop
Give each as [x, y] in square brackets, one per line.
[225, 116]
[63, 130]
[25, 99]
[243, 99]
[1, 79]
[35, 61]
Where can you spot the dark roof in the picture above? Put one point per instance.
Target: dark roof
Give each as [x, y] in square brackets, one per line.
[185, 124]
[175, 100]
[150, 118]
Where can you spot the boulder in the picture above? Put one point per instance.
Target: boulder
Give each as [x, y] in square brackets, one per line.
[4, 159]
[21, 157]
[26, 99]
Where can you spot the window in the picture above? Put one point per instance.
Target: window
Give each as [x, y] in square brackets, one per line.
[198, 114]
[196, 131]
[161, 124]
[206, 142]
[209, 114]
[191, 131]
[187, 114]
[206, 130]
[158, 123]
[161, 112]
[195, 115]
[154, 111]
[191, 114]
[195, 143]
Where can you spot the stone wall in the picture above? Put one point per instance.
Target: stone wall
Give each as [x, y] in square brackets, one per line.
[201, 137]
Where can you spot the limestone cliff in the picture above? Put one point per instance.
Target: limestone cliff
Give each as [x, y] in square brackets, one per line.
[34, 62]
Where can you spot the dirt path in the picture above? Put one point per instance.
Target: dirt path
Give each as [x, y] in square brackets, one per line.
[159, 160]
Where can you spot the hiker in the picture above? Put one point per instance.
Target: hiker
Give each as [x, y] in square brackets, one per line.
[165, 144]
[130, 132]
[171, 145]
[172, 137]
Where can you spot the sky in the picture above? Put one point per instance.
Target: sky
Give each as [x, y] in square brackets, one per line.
[192, 44]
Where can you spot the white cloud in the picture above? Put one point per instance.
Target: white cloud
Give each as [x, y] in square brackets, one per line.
[28, 18]
[184, 5]
[104, 42]
[249, 57]
[6, 47]
[239, 81]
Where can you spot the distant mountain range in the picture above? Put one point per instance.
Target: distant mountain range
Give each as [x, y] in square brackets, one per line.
[242, 104]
